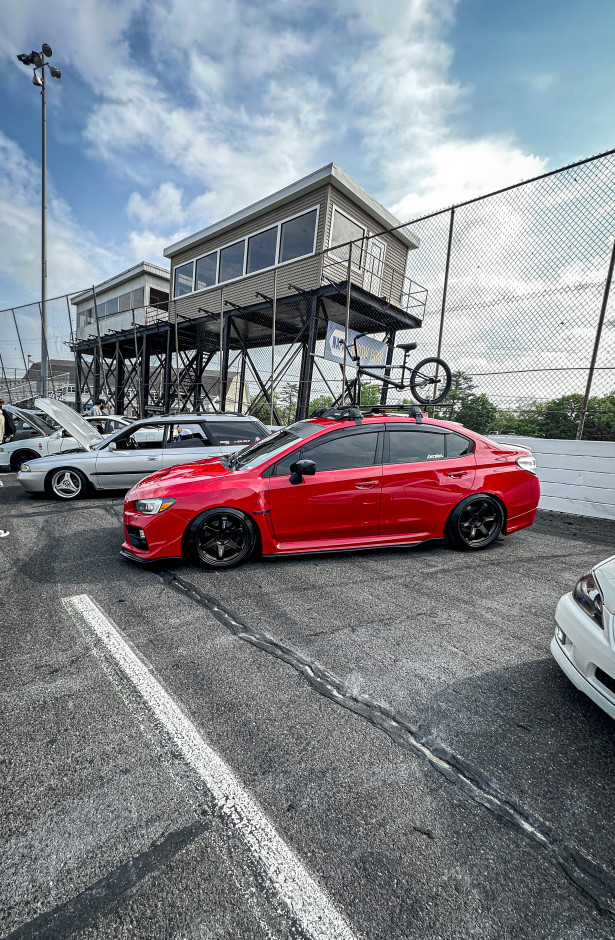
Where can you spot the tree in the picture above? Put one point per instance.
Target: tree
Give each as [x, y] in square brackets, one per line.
[477, 413]
[323, 401]
[370, 394]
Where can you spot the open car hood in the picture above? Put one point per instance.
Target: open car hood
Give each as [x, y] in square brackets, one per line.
[68, 418]
[35, 421]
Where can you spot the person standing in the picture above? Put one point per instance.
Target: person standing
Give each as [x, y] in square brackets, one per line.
[98, 408]
[7, 428]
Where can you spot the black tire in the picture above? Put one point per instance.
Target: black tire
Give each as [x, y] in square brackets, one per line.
[431, 392]
[222, 538]
[476, 522]
[66, 483]
[22, 456]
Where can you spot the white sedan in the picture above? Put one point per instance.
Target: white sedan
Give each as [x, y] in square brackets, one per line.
[584, 641]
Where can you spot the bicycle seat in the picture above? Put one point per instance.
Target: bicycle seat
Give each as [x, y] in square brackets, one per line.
[407, 347]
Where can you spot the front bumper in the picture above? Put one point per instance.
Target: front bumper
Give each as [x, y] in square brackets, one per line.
[587, 649]
[32, 482]
[162, 532]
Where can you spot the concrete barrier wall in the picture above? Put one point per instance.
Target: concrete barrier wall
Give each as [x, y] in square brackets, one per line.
[575, 476]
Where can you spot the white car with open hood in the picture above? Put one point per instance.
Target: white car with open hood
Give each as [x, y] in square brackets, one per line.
[125, 457]
[33, 438]
[584, 641]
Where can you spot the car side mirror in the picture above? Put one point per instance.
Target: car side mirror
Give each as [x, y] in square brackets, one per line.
[112, 446]
[300, 469]
[65, 433]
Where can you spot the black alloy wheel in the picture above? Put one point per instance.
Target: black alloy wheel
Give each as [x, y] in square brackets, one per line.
[430, 381]
[20, 457]
[67, 483]
[476, 522]
[223, 538]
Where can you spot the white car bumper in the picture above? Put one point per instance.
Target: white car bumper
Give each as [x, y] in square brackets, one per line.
[587, 648]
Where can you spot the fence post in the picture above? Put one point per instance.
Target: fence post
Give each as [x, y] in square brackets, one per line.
[445, 286]
[592, 365]
[6, 379]
[22, 353]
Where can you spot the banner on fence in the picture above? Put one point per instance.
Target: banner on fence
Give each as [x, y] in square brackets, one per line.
[372, 352]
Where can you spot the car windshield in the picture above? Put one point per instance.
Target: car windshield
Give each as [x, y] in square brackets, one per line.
[255, 454]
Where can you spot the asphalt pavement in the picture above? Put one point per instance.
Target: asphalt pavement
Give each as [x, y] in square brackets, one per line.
[368, 745]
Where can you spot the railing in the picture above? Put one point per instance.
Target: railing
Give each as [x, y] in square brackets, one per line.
[370, 270]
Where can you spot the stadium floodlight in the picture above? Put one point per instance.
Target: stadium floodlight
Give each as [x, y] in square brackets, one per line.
[39, 63]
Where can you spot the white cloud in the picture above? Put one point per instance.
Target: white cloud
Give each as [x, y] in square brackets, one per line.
[164, 205]
[75, 259]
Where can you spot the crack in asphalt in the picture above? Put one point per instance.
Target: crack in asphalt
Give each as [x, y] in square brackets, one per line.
[588, 876]
[82, 910]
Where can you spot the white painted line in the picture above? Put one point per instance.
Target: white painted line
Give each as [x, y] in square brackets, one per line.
[306, 901]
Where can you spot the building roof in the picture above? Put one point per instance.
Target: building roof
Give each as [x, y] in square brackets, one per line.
[144, 267]
[327, 174]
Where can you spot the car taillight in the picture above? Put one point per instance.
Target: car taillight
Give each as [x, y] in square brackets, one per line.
[526, 462]
[587, 595]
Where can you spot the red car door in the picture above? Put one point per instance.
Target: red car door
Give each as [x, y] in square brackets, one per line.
[341, 500]
[425, 474]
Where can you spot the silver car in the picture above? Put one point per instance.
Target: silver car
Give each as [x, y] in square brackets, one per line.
[119, 461]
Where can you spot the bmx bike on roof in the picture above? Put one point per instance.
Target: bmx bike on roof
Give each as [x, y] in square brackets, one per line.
[429, 381]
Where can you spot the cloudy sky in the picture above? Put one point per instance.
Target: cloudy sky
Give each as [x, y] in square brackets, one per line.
[173, 113]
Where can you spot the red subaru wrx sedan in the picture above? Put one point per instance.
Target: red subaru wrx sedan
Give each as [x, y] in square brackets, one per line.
[335, 483]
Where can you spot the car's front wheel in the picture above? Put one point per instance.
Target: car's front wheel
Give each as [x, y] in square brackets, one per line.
[222, 538]
[476, 522]
[20, 457]
[67, 483]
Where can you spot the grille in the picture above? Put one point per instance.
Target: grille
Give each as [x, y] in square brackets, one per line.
[605, 680]
[136, 539]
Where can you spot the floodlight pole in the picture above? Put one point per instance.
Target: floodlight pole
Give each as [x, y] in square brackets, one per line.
[44, 349]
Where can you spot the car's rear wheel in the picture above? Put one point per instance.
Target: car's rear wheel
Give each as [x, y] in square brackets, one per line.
[67, 483]
[22, 456]
[222, 538]
[476, 522]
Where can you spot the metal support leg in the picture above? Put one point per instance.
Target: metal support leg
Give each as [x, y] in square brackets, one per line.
[387, 368]
[224, 363]
[145, 370]
[307, 363]
[119, 380]
[167, 387]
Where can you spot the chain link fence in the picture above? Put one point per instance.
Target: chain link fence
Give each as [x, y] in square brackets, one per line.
[513, 291]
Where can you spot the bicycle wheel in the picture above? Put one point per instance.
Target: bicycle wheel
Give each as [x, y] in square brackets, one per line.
[430, 381]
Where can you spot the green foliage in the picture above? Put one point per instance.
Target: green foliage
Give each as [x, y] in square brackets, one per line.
[477, 413]
[370, 394]
[323, 401]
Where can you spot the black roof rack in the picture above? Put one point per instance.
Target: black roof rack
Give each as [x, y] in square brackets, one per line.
[356, 413]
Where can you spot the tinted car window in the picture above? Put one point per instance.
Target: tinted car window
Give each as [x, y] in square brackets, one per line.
[183, 434]
[343, 453]
[458, 446]
[415, 446]
[235, 433]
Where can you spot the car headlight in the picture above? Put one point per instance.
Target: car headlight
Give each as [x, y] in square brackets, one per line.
[587, 595]
[25, 468]
[149, 507]
[527, 462]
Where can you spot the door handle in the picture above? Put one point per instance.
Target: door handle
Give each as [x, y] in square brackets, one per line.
[151, 458]
[367, 485]
[458, 473]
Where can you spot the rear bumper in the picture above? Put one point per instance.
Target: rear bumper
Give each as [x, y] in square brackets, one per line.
[521, 521]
